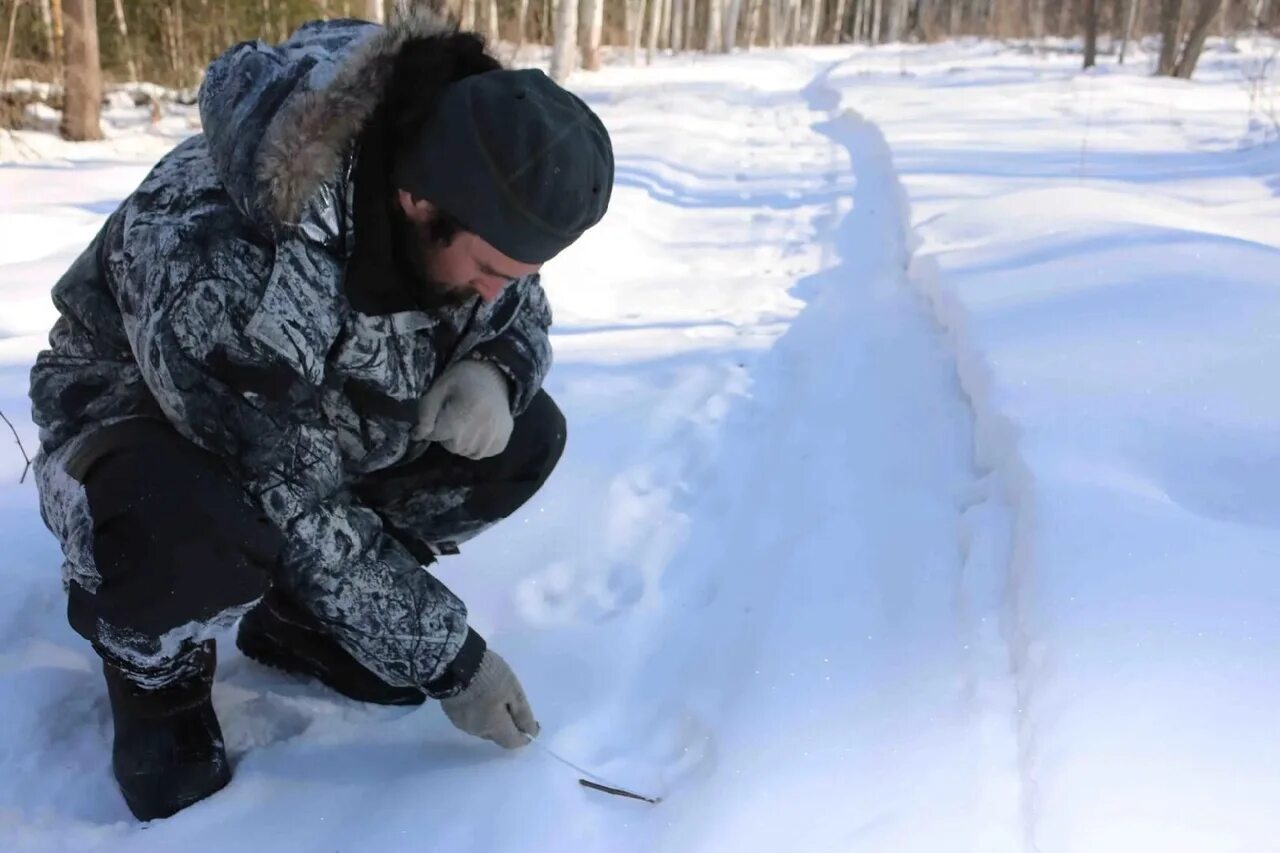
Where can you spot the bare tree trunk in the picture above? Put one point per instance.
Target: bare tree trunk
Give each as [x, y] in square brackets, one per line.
[167, 39]
[815, 20]
[206, 32]
[1090, 33]
[1170, 13]
[715, 20]
[1065, 19]
[1261, 15]
[180, 40]
[897, 20]
[690, 22]
[564, 54]
[373, 11]
[955, 19]
[8, 42]
[835, 29]
[1205, 14]
[492, 26]
[877, 9]
[1036, 18]
[677, 25]
[46, 26]
[775, 22]
[732, 14]
[1131, 18]
[81, 113]
[655, 24]
[664, 31]
[591, 58]
[753, 23]
[635, 28]
[523, 32]
[59, 37]
[268, 23]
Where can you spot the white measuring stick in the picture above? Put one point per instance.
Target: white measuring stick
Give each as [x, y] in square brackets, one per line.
[587, 773]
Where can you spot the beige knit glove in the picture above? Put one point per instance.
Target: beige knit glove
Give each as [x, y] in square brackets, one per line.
[468, 410]
[493, 706]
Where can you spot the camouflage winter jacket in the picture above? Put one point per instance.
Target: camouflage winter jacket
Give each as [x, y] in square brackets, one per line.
[214, 298]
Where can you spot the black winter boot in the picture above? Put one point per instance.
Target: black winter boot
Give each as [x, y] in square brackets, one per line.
[282, 635]
[168, 750]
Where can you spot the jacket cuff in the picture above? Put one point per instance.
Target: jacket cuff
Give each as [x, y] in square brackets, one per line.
[501, 371]
[458, 674]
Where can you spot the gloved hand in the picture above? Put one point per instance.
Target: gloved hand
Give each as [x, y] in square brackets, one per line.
[493, 706]
[467, 410]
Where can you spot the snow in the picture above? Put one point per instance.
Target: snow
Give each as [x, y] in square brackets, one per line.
[922, 490]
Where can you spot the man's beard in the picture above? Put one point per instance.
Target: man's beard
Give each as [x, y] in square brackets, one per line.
[414, 244]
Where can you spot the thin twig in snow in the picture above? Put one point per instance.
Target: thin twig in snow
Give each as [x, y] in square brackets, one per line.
[20, 447]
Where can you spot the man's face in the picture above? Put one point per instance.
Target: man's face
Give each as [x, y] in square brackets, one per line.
[461, 264]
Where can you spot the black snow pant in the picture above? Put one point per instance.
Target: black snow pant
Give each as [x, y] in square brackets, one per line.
[180, 547]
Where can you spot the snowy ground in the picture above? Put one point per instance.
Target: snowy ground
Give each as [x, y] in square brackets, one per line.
[922, 491]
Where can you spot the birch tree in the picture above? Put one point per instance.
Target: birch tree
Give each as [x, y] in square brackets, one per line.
[732, 14]
[835, 29]
[753, 22]
[46, 27]
[1090, 33]
[492, 26]
[815, 20]
[59, 34]
[1170, 16]
[787, 21]
[1205, 13]
[523, 32]
[635, 28]
[1131, 17]
[564, 51]
[1036, 16]
[595, 30]
[715, 20]
[897, 23]
[655, 22]
[81, 118]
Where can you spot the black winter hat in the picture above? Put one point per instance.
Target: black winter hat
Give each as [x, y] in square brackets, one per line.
[516, 159]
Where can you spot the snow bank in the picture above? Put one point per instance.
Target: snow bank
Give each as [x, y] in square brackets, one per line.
[1113, 298]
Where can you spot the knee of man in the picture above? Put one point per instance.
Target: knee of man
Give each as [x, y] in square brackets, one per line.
[544, 429]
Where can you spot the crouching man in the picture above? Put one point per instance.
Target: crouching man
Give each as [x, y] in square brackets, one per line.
[299, 362]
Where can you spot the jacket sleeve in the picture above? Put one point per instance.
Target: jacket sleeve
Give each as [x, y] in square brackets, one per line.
[236, 363]
[523, 350]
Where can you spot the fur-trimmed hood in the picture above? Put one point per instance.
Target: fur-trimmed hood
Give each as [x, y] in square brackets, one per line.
[281, 121]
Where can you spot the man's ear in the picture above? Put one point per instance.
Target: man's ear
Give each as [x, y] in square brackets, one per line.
[417, 210]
